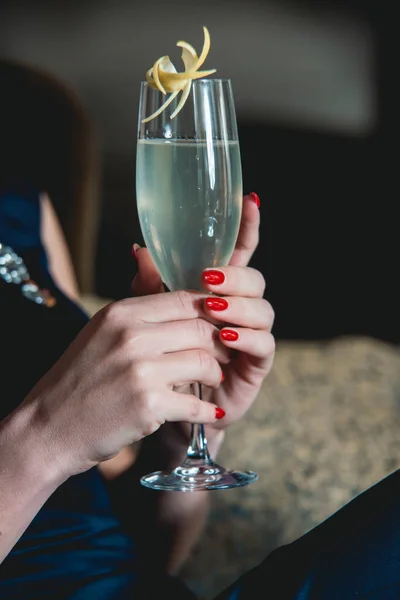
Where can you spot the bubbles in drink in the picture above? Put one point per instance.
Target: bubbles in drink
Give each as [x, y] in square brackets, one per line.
[189, 198]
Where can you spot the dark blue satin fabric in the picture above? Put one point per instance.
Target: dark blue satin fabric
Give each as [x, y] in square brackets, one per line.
[75, 548]
[354, 555]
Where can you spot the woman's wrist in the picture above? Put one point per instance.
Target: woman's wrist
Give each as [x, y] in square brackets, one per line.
[26, 481]
[27, 453]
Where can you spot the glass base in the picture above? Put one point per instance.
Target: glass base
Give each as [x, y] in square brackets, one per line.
[194, 476]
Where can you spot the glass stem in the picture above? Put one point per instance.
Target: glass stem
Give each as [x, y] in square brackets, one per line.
[198, 442]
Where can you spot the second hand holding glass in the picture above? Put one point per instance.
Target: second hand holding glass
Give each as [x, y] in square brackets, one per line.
[189, 198]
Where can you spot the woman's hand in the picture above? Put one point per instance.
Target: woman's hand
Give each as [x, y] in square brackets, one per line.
[244, 320]
[115, 383]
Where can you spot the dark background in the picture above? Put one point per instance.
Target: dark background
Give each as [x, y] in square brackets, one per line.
[324, 165]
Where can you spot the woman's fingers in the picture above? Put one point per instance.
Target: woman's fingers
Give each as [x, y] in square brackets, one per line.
[182, 368]
[147, 280]
[186, 408]
[158, 308]
[163, 338]
[253, 313]
[257, 343]
[234, 281]
[248, 236]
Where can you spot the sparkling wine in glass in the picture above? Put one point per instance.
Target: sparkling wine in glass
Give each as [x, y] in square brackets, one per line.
[189, 200]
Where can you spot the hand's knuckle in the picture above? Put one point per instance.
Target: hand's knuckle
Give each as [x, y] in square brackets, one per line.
[149, 428]
[139, 402]
[241, 245]
[195, 409]
[261, 281]
[203, 328]
[147, 403]
[146, 411]
[270, 344]
[112, 314]
[250, 242]
[249, 239]
[205, 360]
[269, 314]
[125, 336]
[185, 299]
[140, 374]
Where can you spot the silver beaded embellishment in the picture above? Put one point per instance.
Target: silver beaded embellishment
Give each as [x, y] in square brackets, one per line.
[13, 270]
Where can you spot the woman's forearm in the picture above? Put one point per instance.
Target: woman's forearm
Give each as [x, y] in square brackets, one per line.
[26, 481]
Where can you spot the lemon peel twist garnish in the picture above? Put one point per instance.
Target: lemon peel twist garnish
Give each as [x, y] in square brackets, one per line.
[164, 77]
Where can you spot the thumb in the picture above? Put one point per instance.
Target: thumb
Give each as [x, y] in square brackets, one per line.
[147, 280]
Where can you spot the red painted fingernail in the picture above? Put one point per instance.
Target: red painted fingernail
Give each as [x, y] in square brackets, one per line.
[229, 335]
[213, 277]
[255, 199]
[217, 303]
[222, 377]
[219, 412]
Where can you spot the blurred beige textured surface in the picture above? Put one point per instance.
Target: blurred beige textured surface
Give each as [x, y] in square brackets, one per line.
[324, 428]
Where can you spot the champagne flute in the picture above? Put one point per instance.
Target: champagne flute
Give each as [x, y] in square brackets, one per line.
[189, 200]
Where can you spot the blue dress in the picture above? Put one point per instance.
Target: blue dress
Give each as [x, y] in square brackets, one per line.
[75, 548]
